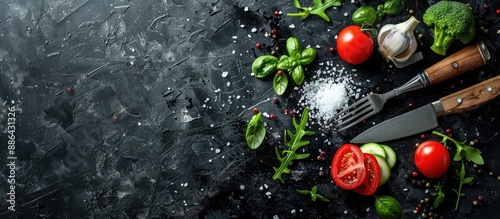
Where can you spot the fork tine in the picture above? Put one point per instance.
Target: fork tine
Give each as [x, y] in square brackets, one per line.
[354, 111]
[359, 116]
[364, 100]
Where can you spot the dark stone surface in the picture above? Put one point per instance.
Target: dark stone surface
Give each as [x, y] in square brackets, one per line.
[122, 111]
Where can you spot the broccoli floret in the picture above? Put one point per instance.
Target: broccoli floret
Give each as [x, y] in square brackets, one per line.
[451, 20]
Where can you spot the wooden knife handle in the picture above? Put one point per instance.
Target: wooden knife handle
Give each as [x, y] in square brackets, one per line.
[471, 97]
[465, 60]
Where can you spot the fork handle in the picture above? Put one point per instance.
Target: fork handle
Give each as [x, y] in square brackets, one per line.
[465, 60]
[471, 97]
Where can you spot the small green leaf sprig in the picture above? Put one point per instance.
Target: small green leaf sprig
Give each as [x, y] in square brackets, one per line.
[439, 195]
[318, 8]
[314, 194]
[256, 131]
[470, 153]
[463, 180]
[294, 142]
[369, 15]
[266, 65]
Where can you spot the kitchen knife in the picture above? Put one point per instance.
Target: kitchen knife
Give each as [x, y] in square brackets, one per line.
[425, 118]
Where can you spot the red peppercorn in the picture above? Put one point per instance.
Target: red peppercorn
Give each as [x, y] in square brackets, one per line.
[257, 45]
[480, 198]
[116, 117]
[497, 11]
[332, 49]
[410, 105]
[417, 209]
[291, 113]
[261, 29]
[364, 121]
[276, 100]
[255, 110]
[276, 13]
[280, 72]
[448, 131]
[323, 153]
[286, 111]
[274, 31]
[422, 136]
[485, 6]
[319, 158]
[414, 174]
[452, 86]
[272, 116]
[70, 89]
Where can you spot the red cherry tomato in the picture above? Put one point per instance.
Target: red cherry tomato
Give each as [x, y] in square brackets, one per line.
[432, 159]
[372, 180]
[353, 45]
[348, 167]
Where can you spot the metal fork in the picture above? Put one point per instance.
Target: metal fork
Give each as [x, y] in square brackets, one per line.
[462, 61]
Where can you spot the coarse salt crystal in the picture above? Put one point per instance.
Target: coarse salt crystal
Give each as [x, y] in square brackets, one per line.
[224, 74]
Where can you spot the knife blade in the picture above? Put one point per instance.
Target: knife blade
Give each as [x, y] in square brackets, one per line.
[425, 117]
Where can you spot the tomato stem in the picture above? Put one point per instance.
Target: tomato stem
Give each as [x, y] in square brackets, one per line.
[369, 29]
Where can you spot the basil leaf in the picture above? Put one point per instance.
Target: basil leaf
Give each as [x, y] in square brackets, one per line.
[307, 56]
[264, 66]
[256, 131]
[393, 7]
[364, 14]
[388, 207]
[280, 83]
[322, 198]
[293, 47]
[298, 74]
[304, 192]
[287, 63]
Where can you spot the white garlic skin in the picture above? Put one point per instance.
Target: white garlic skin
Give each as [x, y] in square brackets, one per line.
[397, 41]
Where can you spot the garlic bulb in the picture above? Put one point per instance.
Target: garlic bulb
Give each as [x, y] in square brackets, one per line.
[398, 43]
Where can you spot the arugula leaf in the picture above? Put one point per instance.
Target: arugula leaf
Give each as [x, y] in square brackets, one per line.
[314, 195]
[470, 153]
[461, 176]
[293, 142]
[256, 131]
[318, 9]
[439, 195]
[388, 207]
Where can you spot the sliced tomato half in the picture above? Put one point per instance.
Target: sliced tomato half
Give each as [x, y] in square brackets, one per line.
[348, 167]
[370, 185]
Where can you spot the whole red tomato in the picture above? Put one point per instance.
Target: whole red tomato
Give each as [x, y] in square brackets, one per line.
[432, 159]
[354, 46]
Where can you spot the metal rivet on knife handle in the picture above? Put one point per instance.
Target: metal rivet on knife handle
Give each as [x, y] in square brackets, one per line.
[465, 60]
[471, 97]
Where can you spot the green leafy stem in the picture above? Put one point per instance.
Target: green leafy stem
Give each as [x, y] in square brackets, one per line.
[266, 65]
[369, 15]
[318, 8]
[293, 141]
[463, 180]
[314, 194]
[470, 153]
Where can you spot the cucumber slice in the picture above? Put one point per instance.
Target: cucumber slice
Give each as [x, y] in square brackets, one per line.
[374, 148]
[391, 155]
[385, 170]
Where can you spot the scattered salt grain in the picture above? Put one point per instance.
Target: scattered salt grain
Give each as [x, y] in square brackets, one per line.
[217, 150]
[276, 217]
[245, 9]
[292, 26]
[242, 187]
[242, 25]
[254, 30]
[224, 74]
[228, 84]
[345, 14]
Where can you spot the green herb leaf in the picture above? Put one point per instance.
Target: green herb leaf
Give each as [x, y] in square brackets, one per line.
[314, 194]
[318, 9]
[470, 153]
[293, 141]
[461, 176]
[439, 195]
[256, 131]
[307, 56]
[264, 66]
[365, 14]
[393, 7]
[287, 63]
[280, 82]
[293, 47]
[298, 75]
[388, 207]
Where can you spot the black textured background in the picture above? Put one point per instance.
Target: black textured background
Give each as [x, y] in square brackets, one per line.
[151, 129]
